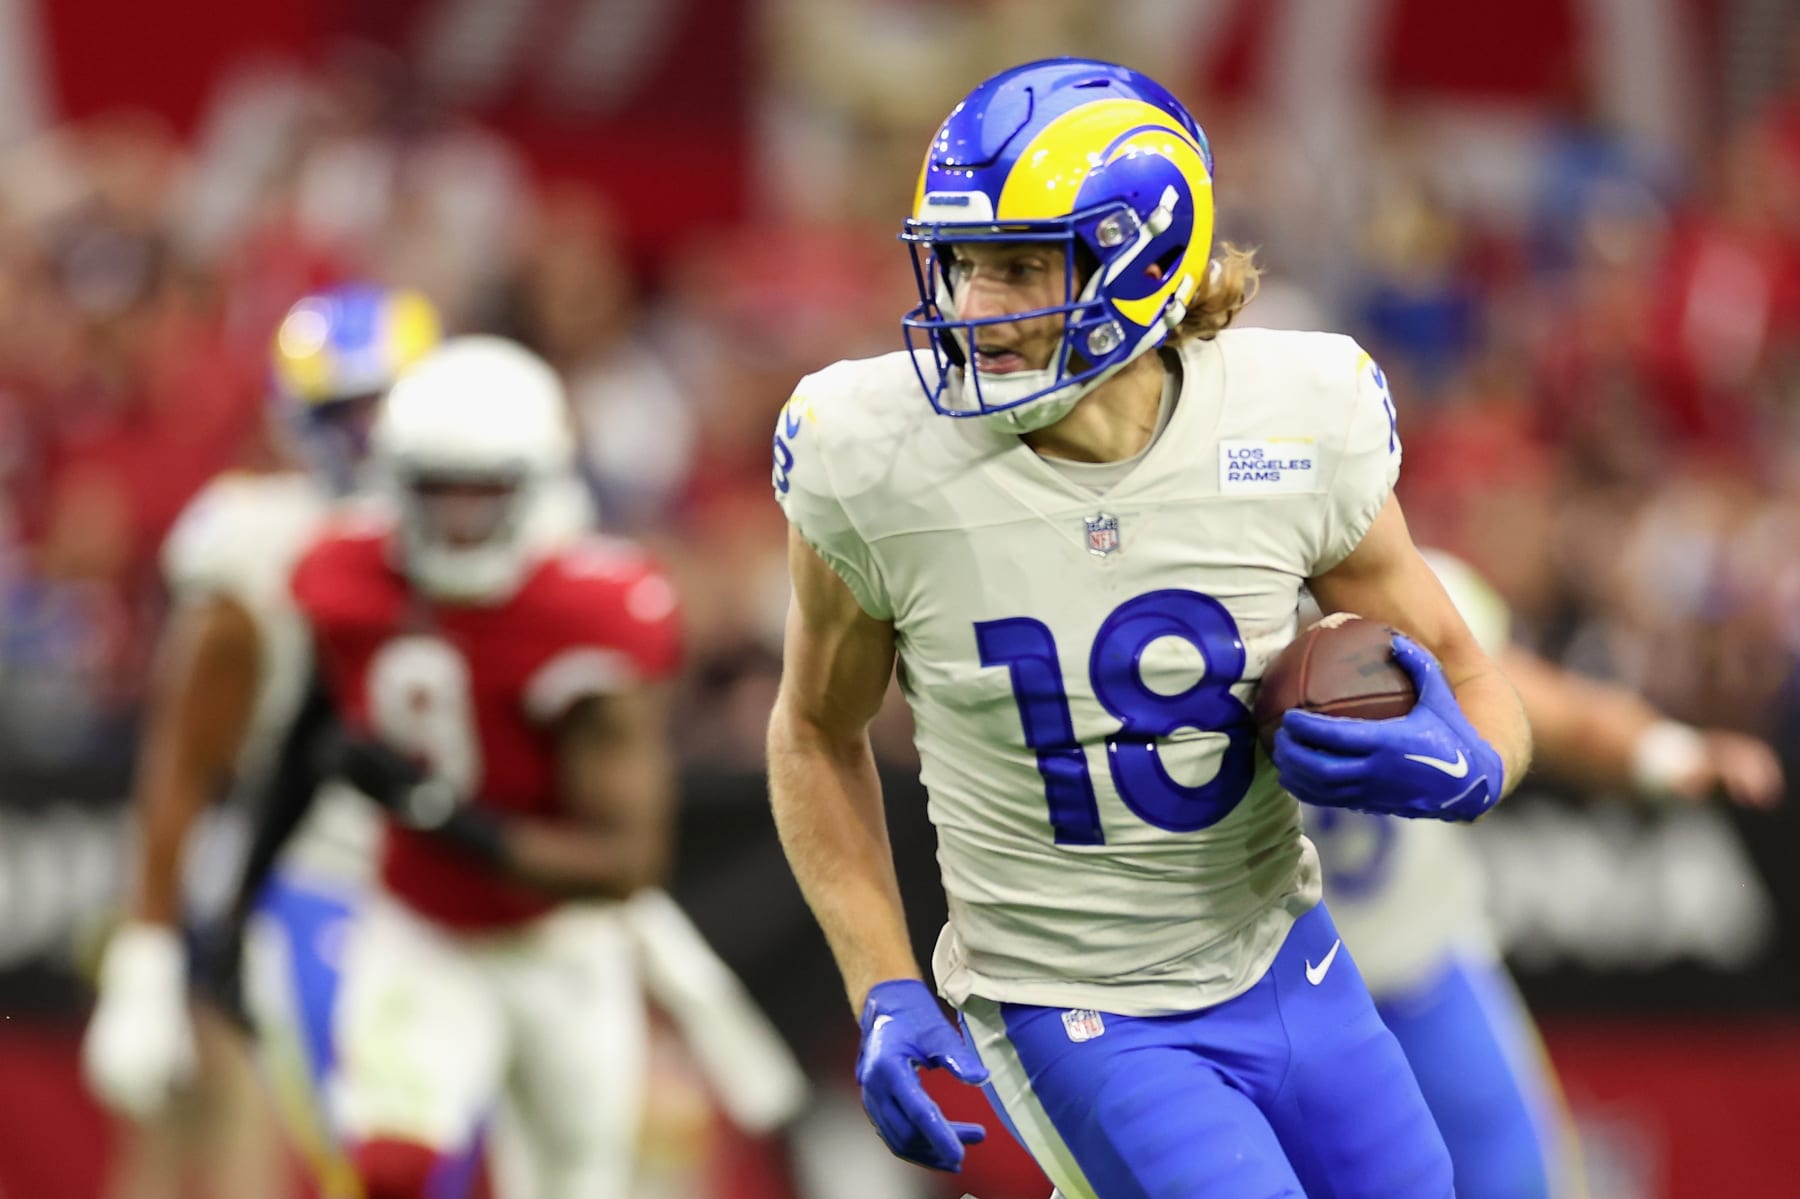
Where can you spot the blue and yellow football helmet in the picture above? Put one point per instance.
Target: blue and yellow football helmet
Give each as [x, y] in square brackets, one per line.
[1088, 154]
[334, 354]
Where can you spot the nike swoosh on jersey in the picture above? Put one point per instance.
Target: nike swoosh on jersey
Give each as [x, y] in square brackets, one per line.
[1456, 770]
[1316, 974]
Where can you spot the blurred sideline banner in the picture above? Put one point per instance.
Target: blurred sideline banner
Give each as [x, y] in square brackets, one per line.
[1603, 909]
[1607, 907]
[1665, 1110]
[1681, 1109]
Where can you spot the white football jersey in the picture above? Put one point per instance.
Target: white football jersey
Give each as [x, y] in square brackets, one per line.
[241, 538]
[1406, 894]
[1080, 669]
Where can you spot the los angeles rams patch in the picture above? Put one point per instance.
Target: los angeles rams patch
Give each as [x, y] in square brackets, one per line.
[1271, 465]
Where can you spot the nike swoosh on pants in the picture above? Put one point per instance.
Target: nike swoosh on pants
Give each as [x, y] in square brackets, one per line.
[1316, 974]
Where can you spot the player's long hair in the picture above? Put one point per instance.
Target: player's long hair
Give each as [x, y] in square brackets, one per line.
[1230, 283]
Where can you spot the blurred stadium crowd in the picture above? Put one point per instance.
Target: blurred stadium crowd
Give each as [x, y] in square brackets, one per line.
[1597, 363]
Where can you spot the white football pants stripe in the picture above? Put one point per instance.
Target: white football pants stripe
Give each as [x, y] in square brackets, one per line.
[1013, 1085]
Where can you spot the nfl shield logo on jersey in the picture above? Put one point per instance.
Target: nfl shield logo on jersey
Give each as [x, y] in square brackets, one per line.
[1102, 534]
[1082, 1024]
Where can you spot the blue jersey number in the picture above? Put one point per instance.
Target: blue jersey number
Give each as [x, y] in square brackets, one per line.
[1027, 649]
[786, 429]
[1356, 849]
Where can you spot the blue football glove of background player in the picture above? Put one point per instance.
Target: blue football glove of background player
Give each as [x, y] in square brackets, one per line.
[903, 1029]
[1430, 762]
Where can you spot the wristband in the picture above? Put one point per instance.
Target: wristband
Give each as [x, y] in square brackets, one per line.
[1663, 755]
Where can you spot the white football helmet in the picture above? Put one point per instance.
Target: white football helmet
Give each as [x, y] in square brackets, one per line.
[473, 444]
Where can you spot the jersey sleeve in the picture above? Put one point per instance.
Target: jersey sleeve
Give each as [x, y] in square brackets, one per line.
[807, 494]
[1367, 462]
[621, 629]
[238, 538]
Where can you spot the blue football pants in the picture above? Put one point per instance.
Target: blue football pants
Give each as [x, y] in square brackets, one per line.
[1487, 1081]
[1293, 1089]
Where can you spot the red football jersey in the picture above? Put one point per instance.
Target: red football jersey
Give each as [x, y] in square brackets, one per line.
[475, 691]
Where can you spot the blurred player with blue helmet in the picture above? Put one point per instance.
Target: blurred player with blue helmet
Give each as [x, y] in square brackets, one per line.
[1082, 549]
[232, 669]
[334, 354]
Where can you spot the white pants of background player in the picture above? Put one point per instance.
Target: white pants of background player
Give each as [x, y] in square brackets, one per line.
[434, 1029]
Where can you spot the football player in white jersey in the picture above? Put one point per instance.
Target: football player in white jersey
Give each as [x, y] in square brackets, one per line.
[1082, 544]
[232, 665]
[1407, 896]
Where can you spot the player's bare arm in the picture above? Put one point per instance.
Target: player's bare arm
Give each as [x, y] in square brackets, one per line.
[836, 664]
[139, 1045]
[1385, 579]
[617, 778]
[1604, 736]
[208, 668]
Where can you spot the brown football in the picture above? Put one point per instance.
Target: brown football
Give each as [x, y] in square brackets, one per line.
[1341, 666]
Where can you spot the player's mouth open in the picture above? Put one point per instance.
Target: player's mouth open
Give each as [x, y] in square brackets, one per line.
[994, 360]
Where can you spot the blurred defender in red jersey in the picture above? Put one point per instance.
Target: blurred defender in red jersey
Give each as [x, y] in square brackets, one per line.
[500, 695]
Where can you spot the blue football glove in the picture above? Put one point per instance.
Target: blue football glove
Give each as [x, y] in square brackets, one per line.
[1430, 762]
[903, 1029]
